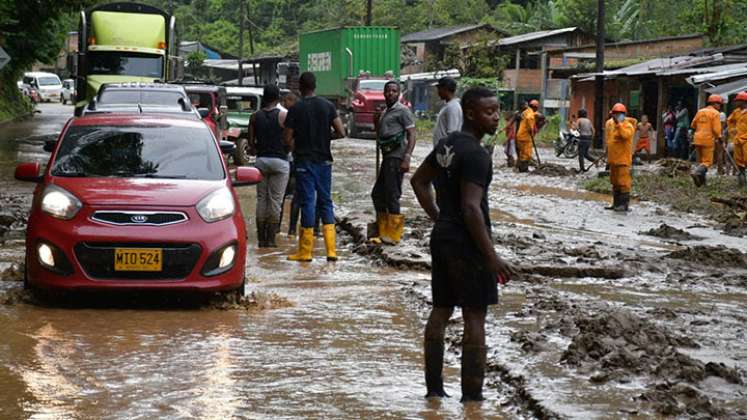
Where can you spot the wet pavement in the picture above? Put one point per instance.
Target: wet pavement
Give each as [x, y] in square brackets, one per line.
[349, 345]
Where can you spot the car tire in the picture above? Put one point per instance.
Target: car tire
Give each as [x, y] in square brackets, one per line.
[62, 99]
[241, 155]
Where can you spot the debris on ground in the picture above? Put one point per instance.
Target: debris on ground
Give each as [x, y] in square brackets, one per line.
[254, 301]
[13, 273]
[718, 256]
[17, 296]
[673, 167]
[679, 399]
[552, 169]
[669, 232]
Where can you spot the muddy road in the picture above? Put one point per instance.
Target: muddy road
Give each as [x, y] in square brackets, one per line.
[613, 316]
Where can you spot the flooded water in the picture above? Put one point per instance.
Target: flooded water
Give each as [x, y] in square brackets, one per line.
[350, 344]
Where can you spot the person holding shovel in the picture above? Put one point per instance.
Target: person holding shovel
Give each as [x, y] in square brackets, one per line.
[465, 268]
[525, 135]
[396, 140]
[619, 132]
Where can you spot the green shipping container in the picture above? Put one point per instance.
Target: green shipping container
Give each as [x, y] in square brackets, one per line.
[338, 55]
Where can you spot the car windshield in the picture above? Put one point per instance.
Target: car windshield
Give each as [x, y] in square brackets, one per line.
[143, 97]
[153, 151]
[372, 85]
[48, 81]
[115, 63]
[201, 99]
[240, 103]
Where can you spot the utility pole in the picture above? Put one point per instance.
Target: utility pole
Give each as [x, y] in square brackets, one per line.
[241, 43]
[171, 7]
[599, 80]
[369, 12]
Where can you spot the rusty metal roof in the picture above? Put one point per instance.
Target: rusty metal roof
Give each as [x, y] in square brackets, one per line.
[441, 33]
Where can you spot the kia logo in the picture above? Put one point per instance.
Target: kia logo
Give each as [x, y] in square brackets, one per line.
[139, 218]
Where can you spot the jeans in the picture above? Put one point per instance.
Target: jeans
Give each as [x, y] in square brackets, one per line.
[669, 136]
[271, 189]
[314, 190]
[584, 144]
[388, 188]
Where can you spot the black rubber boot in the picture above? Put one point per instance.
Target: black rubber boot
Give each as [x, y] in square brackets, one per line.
[615, 201]
[742, 178]
[523, 165]
[271, 232]
[261, 234]
[473, 372]
[434, 363]
[699, 175]
[624, 203]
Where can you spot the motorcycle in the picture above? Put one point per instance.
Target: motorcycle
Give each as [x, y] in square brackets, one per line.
[567, 144]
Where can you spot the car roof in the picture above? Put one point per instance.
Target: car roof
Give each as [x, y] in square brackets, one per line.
[150, 86]
[135, 119]
[39, 74]
[202, 88]
[236, 90]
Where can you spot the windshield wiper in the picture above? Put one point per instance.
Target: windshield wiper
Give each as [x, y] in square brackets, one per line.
[158, 176]
[71, 174]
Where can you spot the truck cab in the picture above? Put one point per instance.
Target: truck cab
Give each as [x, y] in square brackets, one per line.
[368, 100]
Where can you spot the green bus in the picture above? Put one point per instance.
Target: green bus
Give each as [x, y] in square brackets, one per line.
[123, 42]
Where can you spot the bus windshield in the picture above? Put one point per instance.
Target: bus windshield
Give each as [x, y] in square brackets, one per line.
[132, 64]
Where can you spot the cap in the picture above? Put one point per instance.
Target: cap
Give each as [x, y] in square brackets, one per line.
[446, 82]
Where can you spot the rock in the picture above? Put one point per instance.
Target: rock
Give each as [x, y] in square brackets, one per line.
[668, 232]
[538, 235]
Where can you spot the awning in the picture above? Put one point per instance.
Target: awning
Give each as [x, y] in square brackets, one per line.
[728, 88]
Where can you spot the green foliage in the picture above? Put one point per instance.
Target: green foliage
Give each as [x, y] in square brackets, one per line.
[482, 60]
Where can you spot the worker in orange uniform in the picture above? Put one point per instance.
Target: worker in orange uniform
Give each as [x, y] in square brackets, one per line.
[707, 126]
[619, 132]
[525, 135]
[740, 138]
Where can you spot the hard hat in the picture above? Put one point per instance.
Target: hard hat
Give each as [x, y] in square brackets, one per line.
[618, 107]
[715, 99]
[742, 96]
[534, 103]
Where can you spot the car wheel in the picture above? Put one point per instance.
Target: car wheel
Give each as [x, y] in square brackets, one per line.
[241, 155]
[62, 100]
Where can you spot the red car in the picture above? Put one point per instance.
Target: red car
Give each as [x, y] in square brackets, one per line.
[136, 202]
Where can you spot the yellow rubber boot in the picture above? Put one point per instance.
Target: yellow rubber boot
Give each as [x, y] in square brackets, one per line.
[381, 221]
[305, 245]
[395, 227]
[330, 241]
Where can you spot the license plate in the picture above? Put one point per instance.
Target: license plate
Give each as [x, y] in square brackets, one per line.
[133, 259]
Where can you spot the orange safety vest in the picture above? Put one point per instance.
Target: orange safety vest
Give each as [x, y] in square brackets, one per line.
[619, 139]
[527, 126]
[707, 126]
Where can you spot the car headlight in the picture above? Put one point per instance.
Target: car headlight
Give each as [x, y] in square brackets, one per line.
[59, 203]
[226, 257]
[218, 205]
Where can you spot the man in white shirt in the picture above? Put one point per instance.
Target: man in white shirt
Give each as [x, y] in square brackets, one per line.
[450, 117]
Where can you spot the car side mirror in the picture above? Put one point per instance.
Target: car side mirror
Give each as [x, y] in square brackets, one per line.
[227, 147]
[49, 145]
[204, 112]
[28, 171]
[246, 175]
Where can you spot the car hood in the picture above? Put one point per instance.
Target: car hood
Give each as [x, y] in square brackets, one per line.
[138, 192]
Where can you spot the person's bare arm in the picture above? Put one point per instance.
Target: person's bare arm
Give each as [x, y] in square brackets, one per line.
[281, 118]
[288, 138]
[421, 183]
[473, 219]
[339, 129]
[405, 165]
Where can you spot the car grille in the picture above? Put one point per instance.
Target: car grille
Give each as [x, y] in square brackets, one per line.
[379, 105]
[138, 218]
[97, 260]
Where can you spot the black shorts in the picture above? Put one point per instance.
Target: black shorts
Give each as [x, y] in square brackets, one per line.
[459, 276]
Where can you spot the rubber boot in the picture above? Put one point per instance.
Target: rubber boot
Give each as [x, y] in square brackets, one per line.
[381, 228]
[473, 372]
[510, 161]
[261, 234]
[624, 203]
[271, 231]
[698, 175]
[330, 241]
[742, 178]
[395, 227]
[434, 365]
[305, 245]
[523, 165]
[615, 201]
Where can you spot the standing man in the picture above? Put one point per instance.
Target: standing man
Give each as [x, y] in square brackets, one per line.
[525, 135]
[619, 134]
[450, 116]
[668, 119]
[266, 137]
[396, 140]
[465, 266]
[707, 126]
[308, 135]
[739, 120]
[586, 134]
[682, 124]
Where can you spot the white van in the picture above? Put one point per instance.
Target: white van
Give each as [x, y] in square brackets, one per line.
[48, 84]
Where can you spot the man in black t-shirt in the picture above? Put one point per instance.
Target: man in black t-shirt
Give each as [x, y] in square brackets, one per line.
[465, 267]
[308, 134]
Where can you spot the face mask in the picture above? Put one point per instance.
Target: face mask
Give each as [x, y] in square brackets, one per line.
[620, 117]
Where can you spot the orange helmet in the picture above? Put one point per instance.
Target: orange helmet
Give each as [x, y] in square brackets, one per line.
[715, 99]
[534, 103]
[742, 96]
[618, 107]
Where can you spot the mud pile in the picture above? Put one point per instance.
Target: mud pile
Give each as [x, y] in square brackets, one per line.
[668, 232]
[681, 400]
[718, 256]
[552, 169]
[673, 167]
[13, 213]
[255, 301]
[12, 273]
